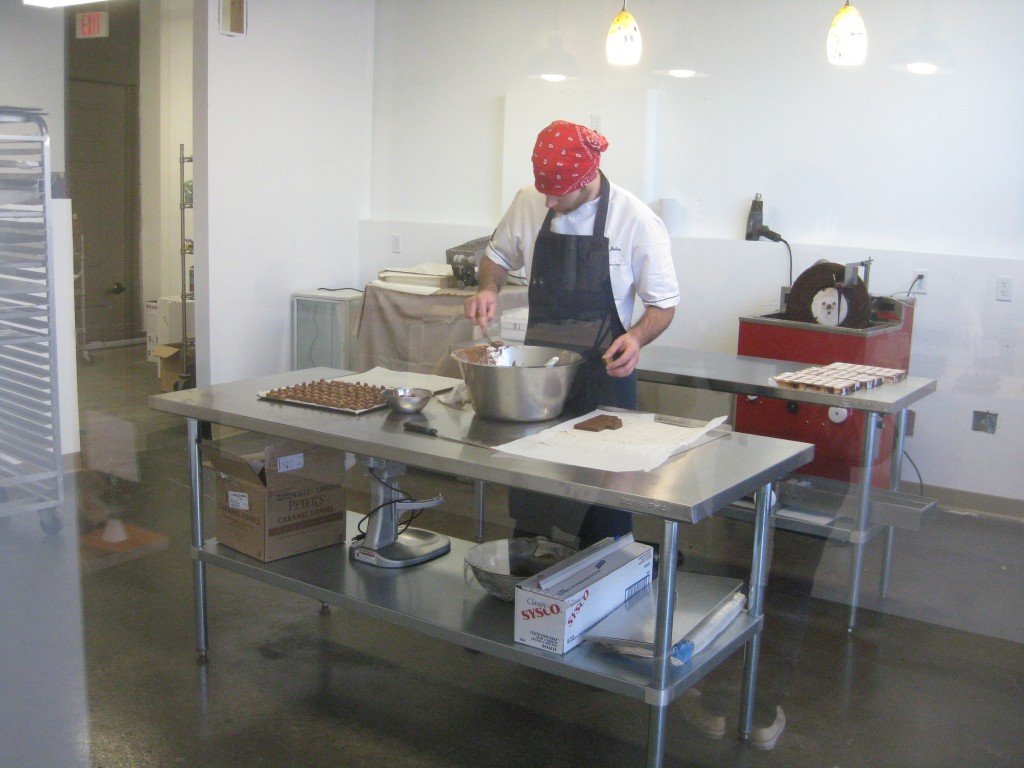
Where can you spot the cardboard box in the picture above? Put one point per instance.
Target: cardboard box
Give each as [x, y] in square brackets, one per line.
[555, 607]
[169, 319]
[151, 319]
[279, 503]
[170, 363]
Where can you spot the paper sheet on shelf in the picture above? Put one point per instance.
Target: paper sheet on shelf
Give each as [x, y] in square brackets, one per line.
[422, 290]
[640, 445]
[385, 377]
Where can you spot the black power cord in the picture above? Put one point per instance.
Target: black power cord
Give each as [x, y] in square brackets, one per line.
[757, 230]
[405, 497]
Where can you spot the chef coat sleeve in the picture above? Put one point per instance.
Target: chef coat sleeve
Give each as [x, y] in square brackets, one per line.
[515, 234]
[654, 272]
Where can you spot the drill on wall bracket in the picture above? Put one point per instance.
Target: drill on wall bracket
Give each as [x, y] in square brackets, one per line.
[755, 224]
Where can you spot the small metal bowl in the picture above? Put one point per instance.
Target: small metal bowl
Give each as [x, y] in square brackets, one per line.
[408, 399]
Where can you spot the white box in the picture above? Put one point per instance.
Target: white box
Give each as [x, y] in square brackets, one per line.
[324, 328]
[169, 319]
[152, 322]
[513, 325]
[555, 607]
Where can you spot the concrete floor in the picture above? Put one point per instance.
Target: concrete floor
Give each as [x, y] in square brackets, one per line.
[936, 681]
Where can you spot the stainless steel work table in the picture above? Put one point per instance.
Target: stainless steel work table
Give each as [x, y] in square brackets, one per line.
[687, 489]
[752, 376]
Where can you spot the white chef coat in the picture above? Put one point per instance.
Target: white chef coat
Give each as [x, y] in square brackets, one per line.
[640, 253]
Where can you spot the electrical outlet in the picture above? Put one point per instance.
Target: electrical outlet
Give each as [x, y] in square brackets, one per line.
[920, 281]
[1004, 289]
[984, 421]
[396, 243]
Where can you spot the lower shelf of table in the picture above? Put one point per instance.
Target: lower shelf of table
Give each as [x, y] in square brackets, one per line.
[441, 599]
[828, 508]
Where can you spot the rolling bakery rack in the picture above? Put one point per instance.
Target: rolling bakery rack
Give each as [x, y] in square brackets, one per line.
[687, 489]
[30, 456]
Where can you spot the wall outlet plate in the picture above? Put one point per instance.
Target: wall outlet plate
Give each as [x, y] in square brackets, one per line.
[920, 282]
[1004, 288]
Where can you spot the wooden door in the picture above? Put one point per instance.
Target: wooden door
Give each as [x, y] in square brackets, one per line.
[103, 179]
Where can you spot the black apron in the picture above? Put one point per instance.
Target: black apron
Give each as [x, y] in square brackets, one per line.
[572, 306]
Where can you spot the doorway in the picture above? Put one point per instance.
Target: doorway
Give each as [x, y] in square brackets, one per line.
[103, 177]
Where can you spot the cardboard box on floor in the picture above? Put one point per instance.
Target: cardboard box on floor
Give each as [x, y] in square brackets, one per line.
[555, 607]
[170, 363]
[281, 502]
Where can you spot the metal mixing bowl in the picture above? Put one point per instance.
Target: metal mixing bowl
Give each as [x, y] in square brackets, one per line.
[501, 564]
[519, 385]
[408, 399]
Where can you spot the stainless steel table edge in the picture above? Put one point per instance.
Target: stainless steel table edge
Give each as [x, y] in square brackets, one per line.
[234, 405]
[677, 490]
[752, 376]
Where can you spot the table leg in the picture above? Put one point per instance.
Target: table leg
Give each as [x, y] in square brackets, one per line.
[755, 604]
[863, 514]
[895, 476]
[478, 499]
[198, 566]
[662, 641]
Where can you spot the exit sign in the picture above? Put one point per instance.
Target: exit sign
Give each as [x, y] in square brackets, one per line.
[92, 24]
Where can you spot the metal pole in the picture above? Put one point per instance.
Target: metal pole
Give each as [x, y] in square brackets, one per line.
[478, 498]
[755, 603]
[895, 476]
[186, 340]
[863, 515]
[198, 566]
[660, 664]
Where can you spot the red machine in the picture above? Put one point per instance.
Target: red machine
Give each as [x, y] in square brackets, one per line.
[875, 331]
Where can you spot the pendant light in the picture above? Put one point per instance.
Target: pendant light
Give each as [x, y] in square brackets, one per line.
[554, 64]
[624, 45]
[847, 42]
[923, 54]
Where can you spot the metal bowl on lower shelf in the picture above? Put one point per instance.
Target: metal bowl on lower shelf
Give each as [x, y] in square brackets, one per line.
[407, 399]
[501, 564]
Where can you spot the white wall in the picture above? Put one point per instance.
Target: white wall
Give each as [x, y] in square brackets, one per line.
[914, 172]
[165, 122]
[282, 168]
[32, 67]
[853, 163]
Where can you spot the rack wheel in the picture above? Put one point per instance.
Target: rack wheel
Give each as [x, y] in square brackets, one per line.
[50, 522]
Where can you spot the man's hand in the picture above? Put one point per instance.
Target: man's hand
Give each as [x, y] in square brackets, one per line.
[622, 356]
[624, 352]
[482, 307]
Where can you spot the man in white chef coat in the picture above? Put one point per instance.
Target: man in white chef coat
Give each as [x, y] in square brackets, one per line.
[590, 249]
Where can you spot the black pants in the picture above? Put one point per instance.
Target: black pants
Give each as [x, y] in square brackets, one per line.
[537, 514]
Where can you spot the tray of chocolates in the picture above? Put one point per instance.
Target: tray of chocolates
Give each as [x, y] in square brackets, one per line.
[356, 393]
[839, 378]
[342, 395]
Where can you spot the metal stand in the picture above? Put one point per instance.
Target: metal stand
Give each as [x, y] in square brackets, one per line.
[383, 545]
[186, 379]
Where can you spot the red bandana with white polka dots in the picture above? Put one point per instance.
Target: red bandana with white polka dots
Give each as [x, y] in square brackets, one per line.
[566, 157]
